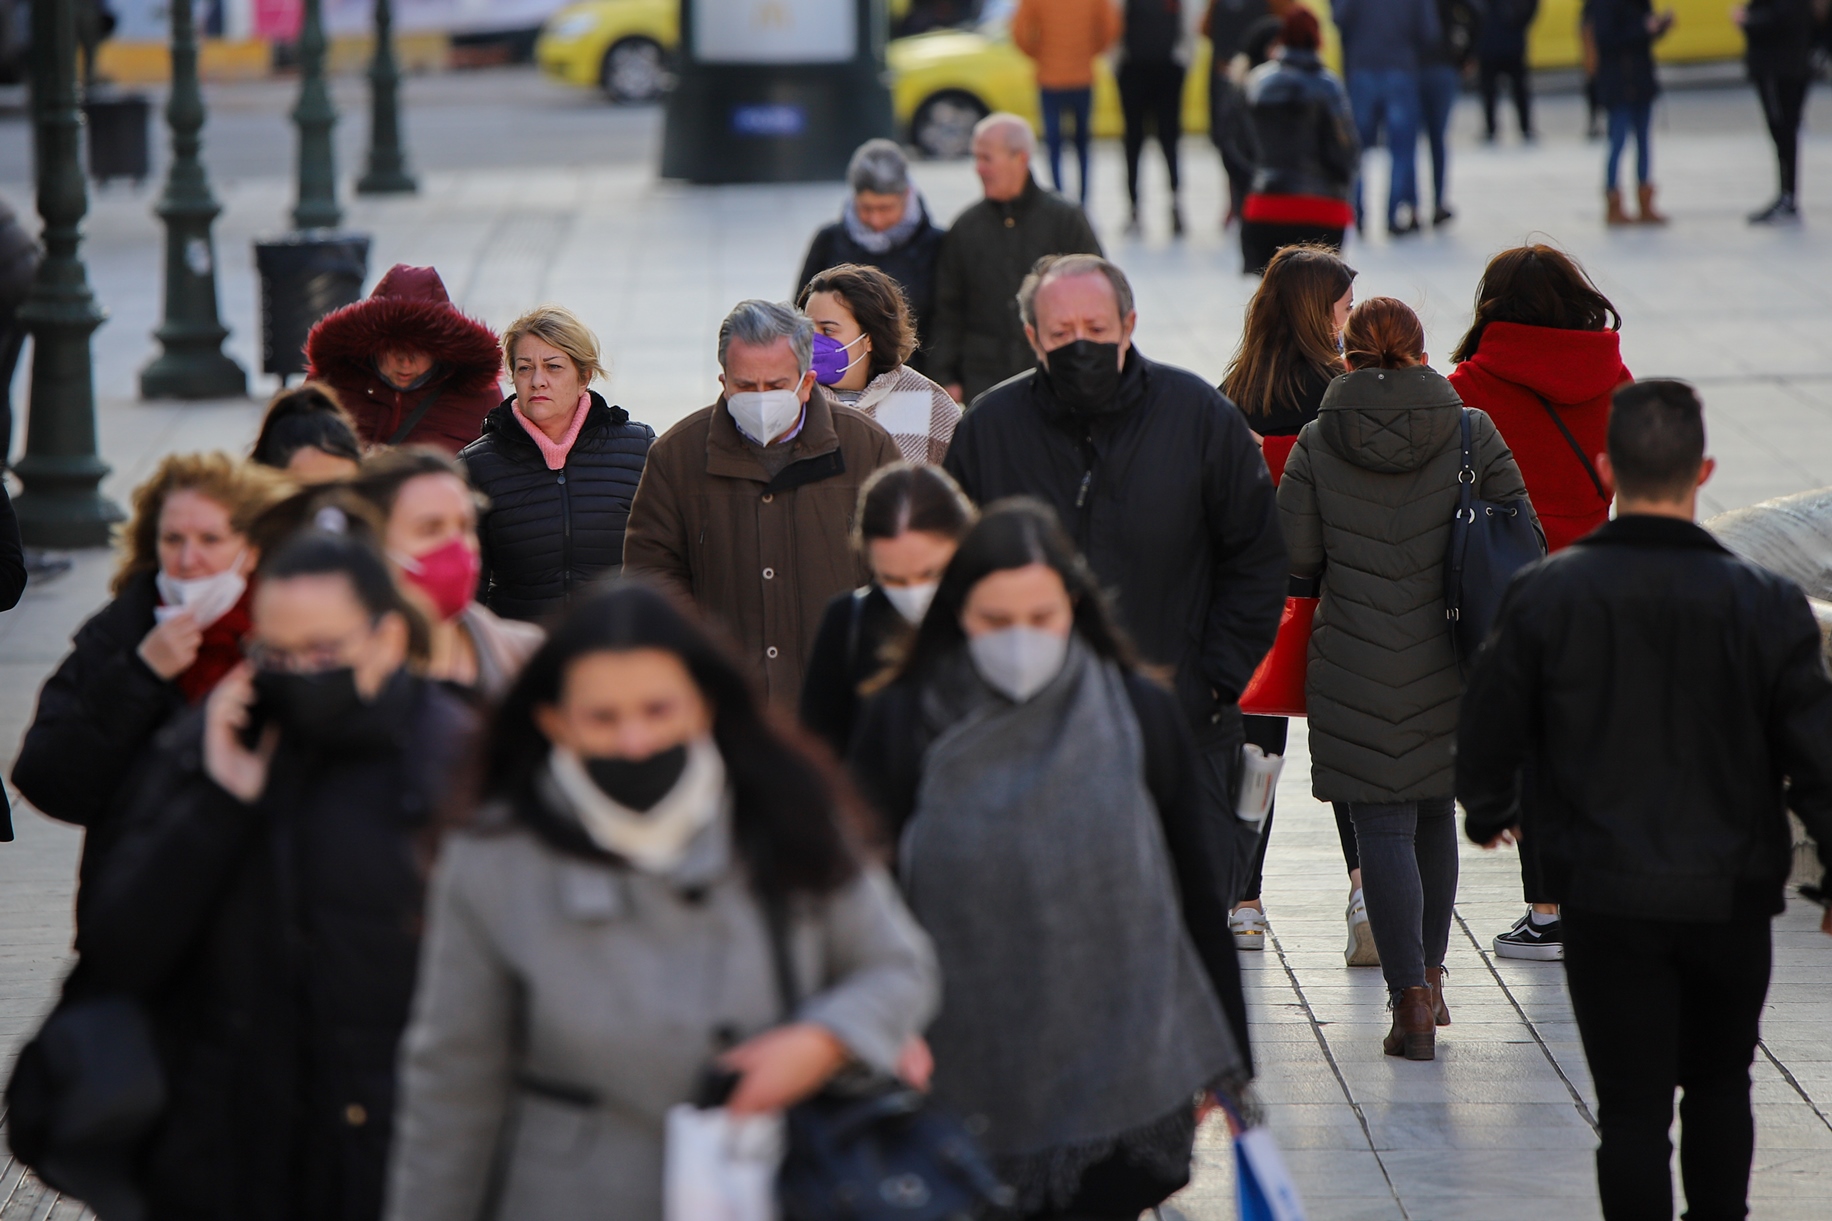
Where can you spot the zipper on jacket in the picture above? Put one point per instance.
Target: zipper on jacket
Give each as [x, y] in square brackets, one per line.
[1084, 527]
[566, 576]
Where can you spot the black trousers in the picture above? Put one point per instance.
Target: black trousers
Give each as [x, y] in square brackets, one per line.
[1151, 93]
[1663, 1005]
[1489, 73]
[1260, 240]
[1784, 98]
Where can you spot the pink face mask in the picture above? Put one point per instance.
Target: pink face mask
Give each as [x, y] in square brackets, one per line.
[447, 574]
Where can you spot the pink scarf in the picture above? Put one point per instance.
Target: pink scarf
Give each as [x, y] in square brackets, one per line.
[554, 452]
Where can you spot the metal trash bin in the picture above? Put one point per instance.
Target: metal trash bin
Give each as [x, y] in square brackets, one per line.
[304, 276]
[120, 141]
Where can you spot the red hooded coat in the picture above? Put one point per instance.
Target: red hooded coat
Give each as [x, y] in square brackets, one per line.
[1575, 371]
[409, 311]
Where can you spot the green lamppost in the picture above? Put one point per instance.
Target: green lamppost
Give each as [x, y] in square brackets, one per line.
[193, 365]
[315, 117]
[61, 505]
[387, 173]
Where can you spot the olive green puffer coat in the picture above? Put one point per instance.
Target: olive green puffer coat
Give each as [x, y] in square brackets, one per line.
[1367, 498]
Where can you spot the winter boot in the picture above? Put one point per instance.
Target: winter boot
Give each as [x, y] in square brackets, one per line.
[1614, 215]
[1648, 215]
[1434, 979]
[1414, 1034]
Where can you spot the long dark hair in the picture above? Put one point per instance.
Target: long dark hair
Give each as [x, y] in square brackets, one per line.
[1014, 533]
[1537, 285]
[791, 814]
[1290, 329]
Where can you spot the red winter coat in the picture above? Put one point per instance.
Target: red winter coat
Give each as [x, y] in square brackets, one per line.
[1575, 371]
[409, 311]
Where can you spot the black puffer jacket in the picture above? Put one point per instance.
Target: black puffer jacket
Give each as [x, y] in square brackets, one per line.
[1304, 132]
[275, 947]
[549, 534]
[911, 263]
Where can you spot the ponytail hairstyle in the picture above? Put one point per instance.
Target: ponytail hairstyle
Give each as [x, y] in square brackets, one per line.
[911, 496]
[1383, 333]
[308, 416]
[1537, 285]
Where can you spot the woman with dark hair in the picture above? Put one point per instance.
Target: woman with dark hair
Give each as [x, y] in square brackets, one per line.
[264, 901]
[910, 520]
[603, 938]
[1290, 351]
[1366, 502]
[1542, 358]
[1624, 32]
[1050, 835]
[862, 338]
[307, 434]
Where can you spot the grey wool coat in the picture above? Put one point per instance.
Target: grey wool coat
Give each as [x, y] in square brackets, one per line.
[1367, 499]
[617, 986]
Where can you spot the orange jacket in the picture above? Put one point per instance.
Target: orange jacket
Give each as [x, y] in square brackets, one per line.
[1064, 36]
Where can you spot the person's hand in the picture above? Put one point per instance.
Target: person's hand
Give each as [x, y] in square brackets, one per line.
[916, 1063]
[781, 1067]
[1740, 15]
[169, 649]
[1506, 839]
[954, 391]
[241, 772]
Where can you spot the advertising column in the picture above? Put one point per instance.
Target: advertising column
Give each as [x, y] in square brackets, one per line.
[776, 90]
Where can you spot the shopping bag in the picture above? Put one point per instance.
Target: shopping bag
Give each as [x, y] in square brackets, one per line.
[720, 1167]
[1265, 1189]
[1277, 687]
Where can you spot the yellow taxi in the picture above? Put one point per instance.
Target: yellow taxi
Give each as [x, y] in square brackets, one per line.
[620, 46]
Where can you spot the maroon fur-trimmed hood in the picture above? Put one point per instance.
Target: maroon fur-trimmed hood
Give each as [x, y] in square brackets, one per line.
[410, 311]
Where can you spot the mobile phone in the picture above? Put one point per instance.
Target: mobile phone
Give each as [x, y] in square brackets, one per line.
[715, 1086]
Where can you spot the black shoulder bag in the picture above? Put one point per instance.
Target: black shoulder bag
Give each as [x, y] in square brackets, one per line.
[869, 1147]
[413, 419]
[1489, 543]
[1577, 449]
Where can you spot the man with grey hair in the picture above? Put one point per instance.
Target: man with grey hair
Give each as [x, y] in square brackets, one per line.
[746, 505]
[1158, 479]
[886, 225]
[977, 339]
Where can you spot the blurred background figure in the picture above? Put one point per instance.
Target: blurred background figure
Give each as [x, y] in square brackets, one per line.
[1304, 150]
[886, 225]
[1780, 63]
[1026, 766]
[979, 338]
[1153, 52]
[862, 340]
[604, 933]
[911, 517]
[1442, 67]
[1625, 32]
[1384, 44]
[307, 434]
[1501, 51]
[1242, 34]
[18, 267]
[406, 364]
[12, 586]
[1065, 37]
[559, 467]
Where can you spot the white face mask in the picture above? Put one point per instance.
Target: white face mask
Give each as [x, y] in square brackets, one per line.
[1018, 662]
[912, 601]
[207, 598]
[764, 415]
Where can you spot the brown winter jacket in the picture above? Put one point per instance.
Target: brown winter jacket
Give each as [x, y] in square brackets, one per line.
[762, 556]
[409, 311]
[1367, 497]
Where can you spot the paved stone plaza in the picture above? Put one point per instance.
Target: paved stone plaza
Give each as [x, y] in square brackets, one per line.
[532, 193]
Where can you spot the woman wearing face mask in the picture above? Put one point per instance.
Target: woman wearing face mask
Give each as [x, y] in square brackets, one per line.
[559, 467]
[174, 628]
[601, 939]
[862, 337]
[306, 434]
[1051, 842]
[429, 530]
[910, 520]
[264, 902]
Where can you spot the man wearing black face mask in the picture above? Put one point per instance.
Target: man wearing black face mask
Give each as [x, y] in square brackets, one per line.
[1158, 479]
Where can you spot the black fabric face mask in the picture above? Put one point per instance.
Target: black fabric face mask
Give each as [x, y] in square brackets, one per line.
[1085, 376]
[638, 784]
[318, 706]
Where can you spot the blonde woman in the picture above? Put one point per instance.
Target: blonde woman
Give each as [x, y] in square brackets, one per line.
[558, 465]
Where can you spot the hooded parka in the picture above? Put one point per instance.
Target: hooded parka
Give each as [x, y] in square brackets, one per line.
[1367, 499]
[409, 311]
[549, 534]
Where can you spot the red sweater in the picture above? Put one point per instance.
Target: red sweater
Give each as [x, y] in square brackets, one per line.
[1575, 371]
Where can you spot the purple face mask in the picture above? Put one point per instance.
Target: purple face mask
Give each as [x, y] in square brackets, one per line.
[830, 363]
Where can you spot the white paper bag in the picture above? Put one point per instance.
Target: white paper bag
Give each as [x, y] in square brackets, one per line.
[719, 1167]
[1259, 780]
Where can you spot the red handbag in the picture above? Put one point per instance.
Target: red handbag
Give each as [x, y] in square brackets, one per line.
[1277, 687]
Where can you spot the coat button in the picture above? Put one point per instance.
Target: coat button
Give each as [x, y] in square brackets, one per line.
[769, 574]
[355, 1115]
[770, 652]
[1011, 222]
[768, 497]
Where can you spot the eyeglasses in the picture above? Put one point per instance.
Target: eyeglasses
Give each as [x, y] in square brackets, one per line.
[314, 658]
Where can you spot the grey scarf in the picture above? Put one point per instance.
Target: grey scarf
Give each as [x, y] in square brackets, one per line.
[1077, 1018]
[883, 243]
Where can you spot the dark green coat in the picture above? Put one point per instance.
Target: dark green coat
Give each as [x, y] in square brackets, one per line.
[976, 338]
[1367, 497]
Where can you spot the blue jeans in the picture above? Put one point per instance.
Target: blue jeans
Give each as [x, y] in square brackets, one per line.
[1389, 100]
[1439, 86]
[1636, 116]
[1409, 882]
[1078, 103]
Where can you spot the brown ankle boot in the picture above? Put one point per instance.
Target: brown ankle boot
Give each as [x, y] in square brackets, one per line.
[1434, 979]
[1648, 215]
[1414, 1034]
[1614, 215]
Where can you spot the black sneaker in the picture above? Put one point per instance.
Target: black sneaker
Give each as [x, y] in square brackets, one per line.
[1534, 942]
[1443, 216]
[1781, 211]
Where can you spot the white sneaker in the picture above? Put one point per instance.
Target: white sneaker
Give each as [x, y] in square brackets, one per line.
[1361, 951]
[1248, 924]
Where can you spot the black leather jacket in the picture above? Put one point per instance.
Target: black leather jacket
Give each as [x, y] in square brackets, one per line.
[1304, 131]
